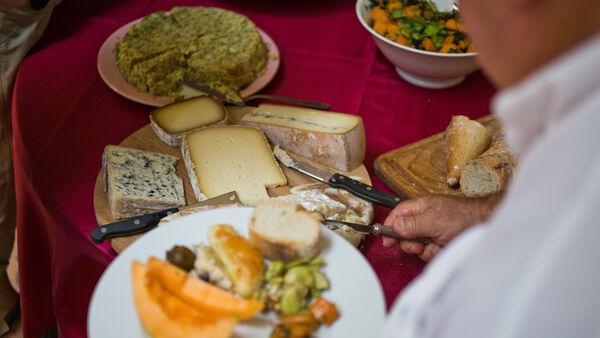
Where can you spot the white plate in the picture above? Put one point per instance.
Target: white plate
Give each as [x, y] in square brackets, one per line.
[111, 75]
[354, 287]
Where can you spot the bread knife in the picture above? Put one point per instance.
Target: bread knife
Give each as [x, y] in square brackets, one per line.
[377, 229]
[142, 223]
[337, 180]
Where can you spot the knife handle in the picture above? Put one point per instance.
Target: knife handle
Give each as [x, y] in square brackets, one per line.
[129, 226]
[364, 191]
[387, 231]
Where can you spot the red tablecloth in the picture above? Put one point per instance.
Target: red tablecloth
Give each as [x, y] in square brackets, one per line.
[64, 115]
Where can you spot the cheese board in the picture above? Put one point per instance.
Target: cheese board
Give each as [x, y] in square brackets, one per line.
[145, 139]
[420, 168]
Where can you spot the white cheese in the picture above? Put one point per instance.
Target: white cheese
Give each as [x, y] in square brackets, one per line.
[139, 182]
[220, 159]
[334, 139]
[172, 121]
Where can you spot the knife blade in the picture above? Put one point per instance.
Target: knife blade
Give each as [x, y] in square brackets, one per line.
[142, 223]
[337, 180]
[377, 229]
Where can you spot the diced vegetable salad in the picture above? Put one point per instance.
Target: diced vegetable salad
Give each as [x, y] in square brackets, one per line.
[417, 24]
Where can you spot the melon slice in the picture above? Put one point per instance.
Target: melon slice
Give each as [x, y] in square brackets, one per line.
[164, 315]
[201, 294]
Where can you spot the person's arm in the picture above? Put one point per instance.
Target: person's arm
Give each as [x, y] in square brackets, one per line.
[438, 217]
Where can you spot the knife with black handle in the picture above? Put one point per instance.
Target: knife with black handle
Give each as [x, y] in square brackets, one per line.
[356, 188]
[142, 223]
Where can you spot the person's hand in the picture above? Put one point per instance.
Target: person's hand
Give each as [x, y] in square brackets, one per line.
[438, 217]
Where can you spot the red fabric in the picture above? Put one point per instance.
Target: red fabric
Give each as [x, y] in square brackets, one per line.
[64, 115]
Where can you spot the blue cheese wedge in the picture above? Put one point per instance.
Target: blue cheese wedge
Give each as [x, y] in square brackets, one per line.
[334, 139]
[139, 182]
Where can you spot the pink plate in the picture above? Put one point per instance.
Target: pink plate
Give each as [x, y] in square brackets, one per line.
[112, 76]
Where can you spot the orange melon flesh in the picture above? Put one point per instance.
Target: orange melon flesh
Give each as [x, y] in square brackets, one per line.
[164, 315]
[201, 294]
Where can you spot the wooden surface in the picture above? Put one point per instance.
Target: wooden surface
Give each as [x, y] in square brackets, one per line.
[420, 168]
[145, 139]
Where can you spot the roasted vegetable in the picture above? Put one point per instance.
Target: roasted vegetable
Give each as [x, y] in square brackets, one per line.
[416, 24]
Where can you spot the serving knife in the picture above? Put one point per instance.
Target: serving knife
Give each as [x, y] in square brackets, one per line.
[142, 223]
[337, 180]
[377, 229]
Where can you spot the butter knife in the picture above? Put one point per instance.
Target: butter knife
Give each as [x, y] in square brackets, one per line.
[376, 229]
[356, 188]
[142, 223]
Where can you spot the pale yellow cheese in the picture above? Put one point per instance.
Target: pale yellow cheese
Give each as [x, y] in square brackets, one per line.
[303, 118]
[171, 121]
[220, 159]
[334, 139]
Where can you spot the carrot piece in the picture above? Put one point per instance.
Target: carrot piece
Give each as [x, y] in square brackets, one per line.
[428, 45]
[454, 25]
[324, 311]
[449, 39]
[379, 14]
[380, 27]
[402, 40]
[392, 5]
[449, 48]
[392, 29]
[412, 11]
[471, 49]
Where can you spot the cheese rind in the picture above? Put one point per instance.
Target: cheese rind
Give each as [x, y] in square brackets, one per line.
[220, 159]
[334, 139]
[170, 122]
[139, 182]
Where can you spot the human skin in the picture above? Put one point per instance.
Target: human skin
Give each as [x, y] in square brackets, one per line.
[6, 5]
[513, 39]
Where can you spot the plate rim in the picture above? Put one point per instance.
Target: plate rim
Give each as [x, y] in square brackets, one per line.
[107, 68]
[140, 247]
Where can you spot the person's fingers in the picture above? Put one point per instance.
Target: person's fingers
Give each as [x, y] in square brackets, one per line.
[406, 208]
[429, 252]
[389, 242]
[410, 247]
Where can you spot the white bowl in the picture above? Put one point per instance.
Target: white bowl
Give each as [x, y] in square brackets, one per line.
[421, 68]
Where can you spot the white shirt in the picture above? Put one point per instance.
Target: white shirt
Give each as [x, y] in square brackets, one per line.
[533, 270]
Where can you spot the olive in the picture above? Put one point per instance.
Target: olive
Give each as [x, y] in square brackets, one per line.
[181, 257]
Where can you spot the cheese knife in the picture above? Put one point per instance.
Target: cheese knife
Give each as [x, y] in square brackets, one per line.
[377, 229]
[337, 180]
[142, 223]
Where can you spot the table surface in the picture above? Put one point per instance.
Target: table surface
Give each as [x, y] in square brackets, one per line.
[64, 115]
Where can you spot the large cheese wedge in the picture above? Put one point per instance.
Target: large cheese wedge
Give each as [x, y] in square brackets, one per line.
[139, 182]
[334, 139]
[220, 159]
[170, 122]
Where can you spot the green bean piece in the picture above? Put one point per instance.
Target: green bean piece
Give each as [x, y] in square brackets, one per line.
[301, 261]
[317, 261]
[299, 274]
[290, 300]
[274, 269]
[321, 282]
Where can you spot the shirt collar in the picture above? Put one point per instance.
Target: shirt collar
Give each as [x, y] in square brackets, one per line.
[542, 99]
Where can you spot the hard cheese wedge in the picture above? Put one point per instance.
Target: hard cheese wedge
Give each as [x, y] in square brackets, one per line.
[139, 182]
[220, 159]
[333, 139]
[172, 121]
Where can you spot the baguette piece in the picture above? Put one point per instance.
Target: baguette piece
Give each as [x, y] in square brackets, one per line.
[490, 172]
[284, 231]
[333, 139]
[241, 261]
[465, 140]
[220, 159]
[170, 122]
[139, 182]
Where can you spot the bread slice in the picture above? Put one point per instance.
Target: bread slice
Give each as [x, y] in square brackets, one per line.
[139, 182]
[465, 140]
[333, 139]
[488, 173]
[241, 261]
[284, 231]
[172, 121]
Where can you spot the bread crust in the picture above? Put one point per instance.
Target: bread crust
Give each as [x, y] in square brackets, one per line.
[489, 173]
[465, 139]
[289, 249]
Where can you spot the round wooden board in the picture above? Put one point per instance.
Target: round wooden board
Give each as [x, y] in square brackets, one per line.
[145, 139]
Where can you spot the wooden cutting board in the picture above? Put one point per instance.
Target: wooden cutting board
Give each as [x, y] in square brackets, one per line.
[145, 139]
[420, 168]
